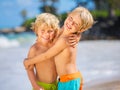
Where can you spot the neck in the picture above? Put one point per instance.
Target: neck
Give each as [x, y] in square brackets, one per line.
[63, 32]
[43, 43]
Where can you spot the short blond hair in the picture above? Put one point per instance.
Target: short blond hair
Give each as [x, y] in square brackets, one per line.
[85, 16]
[45, 18]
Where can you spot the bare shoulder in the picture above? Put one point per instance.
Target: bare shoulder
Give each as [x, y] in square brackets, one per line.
[32, 50]
[60, 44]
[62, 40]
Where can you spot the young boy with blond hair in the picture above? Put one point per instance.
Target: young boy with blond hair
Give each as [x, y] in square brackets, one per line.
[78, 21]
[46, 27]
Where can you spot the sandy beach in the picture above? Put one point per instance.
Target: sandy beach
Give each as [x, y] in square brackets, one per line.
[113, 85]
[98, 61]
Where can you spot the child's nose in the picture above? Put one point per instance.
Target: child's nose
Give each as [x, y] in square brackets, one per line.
[71, 22]
[47, 34]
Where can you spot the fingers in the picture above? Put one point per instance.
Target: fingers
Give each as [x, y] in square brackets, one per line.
[41, 89]
[31, 67]
[72, 36]
[72, 41]
[25, 64]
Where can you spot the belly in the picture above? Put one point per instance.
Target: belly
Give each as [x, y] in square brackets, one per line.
[66, 62]
[46, 71]
[64, 68]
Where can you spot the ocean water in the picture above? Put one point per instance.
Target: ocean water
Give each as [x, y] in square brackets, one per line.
[98, 61]
[16, 40]
[13, 49]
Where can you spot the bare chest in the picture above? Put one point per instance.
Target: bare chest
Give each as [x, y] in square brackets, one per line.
[66, 56]
[41, 50]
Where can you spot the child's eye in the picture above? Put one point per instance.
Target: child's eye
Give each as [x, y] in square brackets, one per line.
[42, 30]
[75, 33]
[76, 24]
[70, 18]
[50, 31]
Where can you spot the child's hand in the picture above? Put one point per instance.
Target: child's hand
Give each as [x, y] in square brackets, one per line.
[31, 67]
[73, 39]
[41, 89]
[26, 63]
[38, 87]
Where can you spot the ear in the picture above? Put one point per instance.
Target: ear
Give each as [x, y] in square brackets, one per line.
[82, 30]
[79, 32]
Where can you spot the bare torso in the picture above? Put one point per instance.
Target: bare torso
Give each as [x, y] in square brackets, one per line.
[66, 61]
[46, 70]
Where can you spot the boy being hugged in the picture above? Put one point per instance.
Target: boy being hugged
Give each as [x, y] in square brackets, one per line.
[46, 28]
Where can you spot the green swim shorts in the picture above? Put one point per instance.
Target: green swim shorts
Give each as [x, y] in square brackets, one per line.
[46, 86]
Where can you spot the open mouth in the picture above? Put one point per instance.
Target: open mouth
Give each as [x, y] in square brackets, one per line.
[45, 38]
[68, 26]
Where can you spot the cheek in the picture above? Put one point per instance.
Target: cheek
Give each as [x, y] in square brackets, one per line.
[74, 29]
[40, 33]
[52, 34]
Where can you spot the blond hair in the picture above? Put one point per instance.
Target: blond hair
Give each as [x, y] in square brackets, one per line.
[85, 16]
[45, 18]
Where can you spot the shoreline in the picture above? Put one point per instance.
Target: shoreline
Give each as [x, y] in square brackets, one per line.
[113, 85]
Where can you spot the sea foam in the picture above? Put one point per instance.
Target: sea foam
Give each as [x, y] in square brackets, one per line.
[6, 43]
[16, 40]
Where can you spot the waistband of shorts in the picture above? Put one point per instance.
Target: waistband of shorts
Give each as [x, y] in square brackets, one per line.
[48, 84]
[71, 76]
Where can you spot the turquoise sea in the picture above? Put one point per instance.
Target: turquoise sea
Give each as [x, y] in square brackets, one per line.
[16, 39]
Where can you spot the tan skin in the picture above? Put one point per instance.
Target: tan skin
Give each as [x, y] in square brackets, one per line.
[47, 35]
[45, 68]
[65, 56]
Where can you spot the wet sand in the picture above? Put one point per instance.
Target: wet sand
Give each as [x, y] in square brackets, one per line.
[113, 84]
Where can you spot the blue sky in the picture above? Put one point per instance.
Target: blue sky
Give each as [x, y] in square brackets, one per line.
[10, 10]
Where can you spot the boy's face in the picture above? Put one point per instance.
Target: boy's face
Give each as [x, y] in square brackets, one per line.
[45, 33]
[72, 23]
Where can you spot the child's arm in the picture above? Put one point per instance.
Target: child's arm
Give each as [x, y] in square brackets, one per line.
[53, 51]
[73, 39]
[31, 73]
